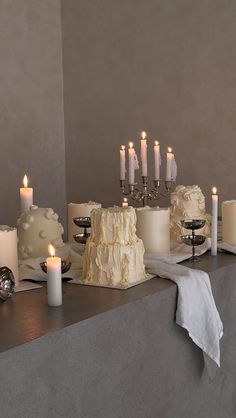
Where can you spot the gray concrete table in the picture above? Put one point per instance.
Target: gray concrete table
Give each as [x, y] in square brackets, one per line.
[109, 353]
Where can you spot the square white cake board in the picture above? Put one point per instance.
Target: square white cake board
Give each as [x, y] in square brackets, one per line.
[25, 285]
[128, 286]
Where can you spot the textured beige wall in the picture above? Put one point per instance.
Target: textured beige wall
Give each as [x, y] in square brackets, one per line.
[31, 104]
[165, 66]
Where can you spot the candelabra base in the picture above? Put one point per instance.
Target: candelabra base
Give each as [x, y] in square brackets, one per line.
[145, 194]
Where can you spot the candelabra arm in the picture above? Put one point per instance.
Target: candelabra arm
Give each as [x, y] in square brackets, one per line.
[122, 186]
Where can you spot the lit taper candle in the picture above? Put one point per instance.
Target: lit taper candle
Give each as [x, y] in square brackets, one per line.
[144, 153]
[26, 195]
[157, 160]
[131, 152]
[214, 220]
[122, 162]
[169, 159]
[54, 281]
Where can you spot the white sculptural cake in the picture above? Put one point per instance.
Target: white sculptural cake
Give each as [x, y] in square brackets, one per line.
[36, 229]
[113, 254]
[153, 227]
[187, 202]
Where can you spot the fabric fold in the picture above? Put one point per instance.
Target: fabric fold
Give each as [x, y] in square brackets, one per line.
[196, 308]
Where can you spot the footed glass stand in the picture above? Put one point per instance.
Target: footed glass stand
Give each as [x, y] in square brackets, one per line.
[82, 222]
[193, 239]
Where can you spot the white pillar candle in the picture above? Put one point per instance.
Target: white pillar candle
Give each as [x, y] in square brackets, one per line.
[122, 162]
[26, 196]
[153, 227]
[214, 220]
[125, 203]
[131, 152]
[229, 222]
[8, 250]
[157, 160]
[169, 158]
[144, 153]
[54, 281]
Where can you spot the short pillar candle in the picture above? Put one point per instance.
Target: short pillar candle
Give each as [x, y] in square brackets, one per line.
[54, 281]
[26, 196]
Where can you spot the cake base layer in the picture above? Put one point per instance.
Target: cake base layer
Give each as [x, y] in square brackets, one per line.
[113, 264]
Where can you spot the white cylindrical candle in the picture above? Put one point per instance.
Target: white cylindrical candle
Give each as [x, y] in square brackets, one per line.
[122, 162]
[169, 158]
[26, 196]
[54, 281]
[157, 160]
[229, 222]
[153, 227]
[76, 210]
[214, 222]
[131, 152]
[144, 153]
[8, 250]
[125, 203]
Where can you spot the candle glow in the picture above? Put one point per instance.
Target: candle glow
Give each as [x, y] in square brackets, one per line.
[169, 149]
[25, 181]
[131, 145]
[122, 147]
[156, 143]
[214, 190]
[51, 250]
[144, 135]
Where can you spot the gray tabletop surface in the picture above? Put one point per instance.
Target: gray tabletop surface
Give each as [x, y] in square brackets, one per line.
[26, 316]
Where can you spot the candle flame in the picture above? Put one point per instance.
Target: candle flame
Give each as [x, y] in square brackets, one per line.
[156, 142]
[25, 181]
[214, 190]
[169, 149]
[131, 144]
[51, 250]
[144, 135]
[122, 147]
[125, 200]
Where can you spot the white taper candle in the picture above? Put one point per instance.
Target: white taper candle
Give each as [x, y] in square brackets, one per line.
[169, 158]
[122, 162]
[214, 220]
[144, 153]
[131, 162]
[157, 160]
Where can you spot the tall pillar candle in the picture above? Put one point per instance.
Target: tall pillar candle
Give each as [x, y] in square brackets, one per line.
[76, 210]
[144, 153]
[229, 222]
[131, 152]
[157, 160]
[26, 196]
[54, 280]
[8, 250]
[169, 159]
[153, 227]
[122, 162]
[214, 220]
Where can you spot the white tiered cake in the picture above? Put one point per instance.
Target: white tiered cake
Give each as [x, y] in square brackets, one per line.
[113, 254]
[187, 202]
